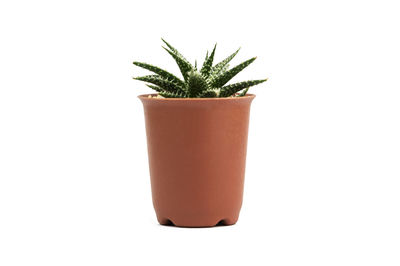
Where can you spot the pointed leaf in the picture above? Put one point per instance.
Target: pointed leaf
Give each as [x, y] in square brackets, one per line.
[156, 88]
[168, 94]
[228, 75]
[243, 93]
[175, 51]
[220, 66]
[208, 94]
[205, 70]
[161, 72]
[184, 66]
[233, 88]
[162, 83]
[213, 77]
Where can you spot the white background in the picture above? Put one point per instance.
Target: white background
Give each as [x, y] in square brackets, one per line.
[322, 181]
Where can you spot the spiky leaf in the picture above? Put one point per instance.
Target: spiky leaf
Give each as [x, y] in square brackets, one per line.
[228, 75]
[205, 70]
[183, 65]
[243, 93]
[196, 84]
[233, 88]
[213, 77]
[221, 65]
[164, 84]
[209, 81]
[174, 50]
[182, 59]
[161, 72]
[168, 94]
[208, 94]
[156, 88]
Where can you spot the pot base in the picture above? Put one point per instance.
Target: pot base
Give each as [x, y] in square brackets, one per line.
[177, 223]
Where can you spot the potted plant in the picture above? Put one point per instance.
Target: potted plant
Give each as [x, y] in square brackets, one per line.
[197, 139]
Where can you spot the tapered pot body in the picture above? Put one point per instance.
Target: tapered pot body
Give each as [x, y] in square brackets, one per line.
[197, 156]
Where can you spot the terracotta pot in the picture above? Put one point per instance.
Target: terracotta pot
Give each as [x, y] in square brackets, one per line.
[197, 156]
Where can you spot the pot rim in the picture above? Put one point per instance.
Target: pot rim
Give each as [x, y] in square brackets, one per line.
[146, 97]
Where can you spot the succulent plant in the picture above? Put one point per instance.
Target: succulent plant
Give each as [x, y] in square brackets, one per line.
[208, 82]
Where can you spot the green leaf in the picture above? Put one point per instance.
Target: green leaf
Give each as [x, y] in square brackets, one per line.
[175, 51]
[167, 94]
[229, 90]
[161, 72]
[184, 65]
[213, 77]
[206, 56]
[221, 65]
[228, 75]
[205, 70]
[156, 88]
[196, 84]
[208, 94]
[164, 84]
[243, 93]
[182, 59]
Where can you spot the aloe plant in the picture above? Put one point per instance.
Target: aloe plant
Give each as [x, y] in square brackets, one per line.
[207, 82]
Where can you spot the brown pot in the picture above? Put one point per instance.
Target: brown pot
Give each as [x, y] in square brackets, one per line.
[197, 156]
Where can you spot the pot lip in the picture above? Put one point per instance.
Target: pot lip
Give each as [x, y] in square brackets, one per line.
[146, 97]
